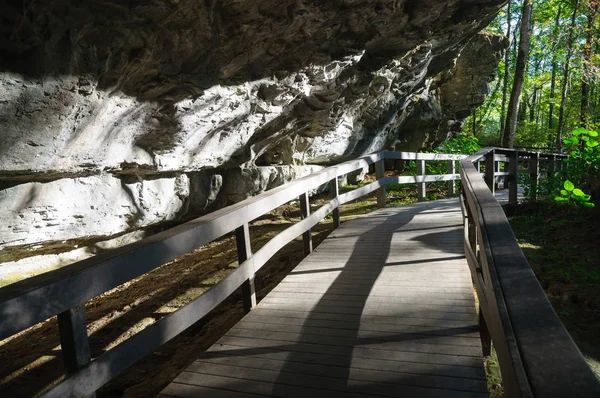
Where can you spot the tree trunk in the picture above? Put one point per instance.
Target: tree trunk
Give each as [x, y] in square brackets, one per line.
[592, 9]
[553, 79]
[506, 69]
[520, 70]
[563, 99]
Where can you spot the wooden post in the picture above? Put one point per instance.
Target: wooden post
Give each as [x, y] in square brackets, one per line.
[490, 169]
[333, 184]
[534, 171]
[74, 341]
[513, 181]
[379, 174]
[551, 172]
[451, 184]
[486, 338]
[244, 250]
[305, 212]
[421, 187]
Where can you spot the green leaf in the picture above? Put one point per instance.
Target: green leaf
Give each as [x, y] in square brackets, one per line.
[592, 144]
[593, 133]
[586, 198]
[579, 131]
[589, 204]
[569, 186]
[564, 193]
[561, 199]
[578, 192]
[585, 138]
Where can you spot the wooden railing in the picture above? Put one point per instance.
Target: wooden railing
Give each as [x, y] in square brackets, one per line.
[537, 356]
[64, 292]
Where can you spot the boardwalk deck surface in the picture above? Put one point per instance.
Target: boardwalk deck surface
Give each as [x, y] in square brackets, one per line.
[383, 307]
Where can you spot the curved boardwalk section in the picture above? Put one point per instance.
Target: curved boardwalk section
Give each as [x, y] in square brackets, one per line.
[383, 307]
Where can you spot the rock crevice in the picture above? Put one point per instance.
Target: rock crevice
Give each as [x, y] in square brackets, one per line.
[117, 116]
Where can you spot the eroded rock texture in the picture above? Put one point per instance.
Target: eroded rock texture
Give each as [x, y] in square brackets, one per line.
[119, 115]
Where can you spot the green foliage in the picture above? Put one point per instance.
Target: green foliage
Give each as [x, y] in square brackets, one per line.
[462, 143]
[583, 166]
[572, 194]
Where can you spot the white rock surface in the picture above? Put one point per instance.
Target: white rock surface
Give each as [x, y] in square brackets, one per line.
[97, 205]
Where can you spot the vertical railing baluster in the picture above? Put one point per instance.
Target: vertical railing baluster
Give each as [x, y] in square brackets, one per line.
[380, 174]
[550, 178]
[335, 190]
[513, 181]
[304, 213]
[244, 250]
[490, 169]
[421, 187]
[451, 183]
[534, 171]
[74, 340]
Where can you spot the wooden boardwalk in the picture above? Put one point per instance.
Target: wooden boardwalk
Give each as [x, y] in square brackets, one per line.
[383, 307]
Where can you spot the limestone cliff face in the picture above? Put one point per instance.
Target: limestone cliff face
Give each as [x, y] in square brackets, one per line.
[121, 115]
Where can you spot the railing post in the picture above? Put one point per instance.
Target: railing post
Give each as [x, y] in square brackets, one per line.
[486, 338]
[421, 187]
[551, 173]
[244, 250]
[534, 171]
[451, 183]
[305, 212]
[74, 341]
[334, 186]
[379, 174]
[490, 170]
[513, 181]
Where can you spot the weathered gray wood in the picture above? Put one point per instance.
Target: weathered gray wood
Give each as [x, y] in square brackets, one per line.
[534, 173]
[451, 184]
[490, 171]
[334, 187]
[74, 342]
[421, 187]
[380, 174]
[304, 213]
[70, 286]
[515, 307]
[113, 362]
[338, 315]
[551, 171]
[244, 252]
[513, 181]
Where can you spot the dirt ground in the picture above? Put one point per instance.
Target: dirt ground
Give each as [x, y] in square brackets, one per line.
[31, 361]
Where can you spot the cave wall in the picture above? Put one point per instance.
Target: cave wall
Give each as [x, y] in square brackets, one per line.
[119, 116]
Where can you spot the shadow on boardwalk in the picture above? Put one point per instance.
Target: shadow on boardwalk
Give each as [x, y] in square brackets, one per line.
[384, 307]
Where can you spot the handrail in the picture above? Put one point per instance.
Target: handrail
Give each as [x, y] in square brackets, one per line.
[63, 292]
[537, 356]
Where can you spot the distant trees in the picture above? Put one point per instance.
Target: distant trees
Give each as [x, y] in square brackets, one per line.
[548, 77]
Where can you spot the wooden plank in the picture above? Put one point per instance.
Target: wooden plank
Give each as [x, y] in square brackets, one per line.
[336, 375]
[380, 174]
[319, 358]
[348, 335]
[252, 345]
[374, 313]
[324, 385]
[279, 317]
